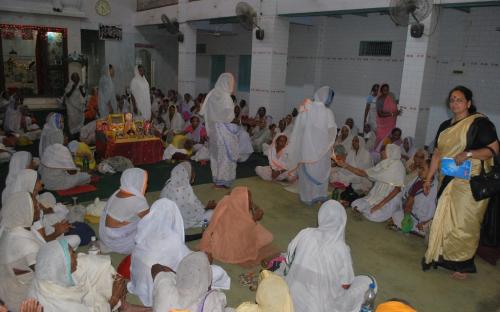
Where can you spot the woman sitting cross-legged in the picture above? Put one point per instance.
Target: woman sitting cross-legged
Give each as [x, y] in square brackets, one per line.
[272, 295]
[388, 175]
[187, 288]
[19, 161]
[178, 189]
[419, 206]
[66, 282]
[124, 209]
[160, 239]
[58, 170]
[277, 156]
[318, 267]
[234, 234]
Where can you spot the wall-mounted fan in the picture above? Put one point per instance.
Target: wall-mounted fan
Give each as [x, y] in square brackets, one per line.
[248, 18]
[172, 26]
[406, 12]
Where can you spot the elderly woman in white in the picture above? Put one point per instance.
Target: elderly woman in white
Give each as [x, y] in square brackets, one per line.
[311, 144]
[187, 289]
[18, 248]
[141, 99]
[318, 267]
[385, 196]
[66, 282]
[223, 145]
[75, 104]
[160, 239]
[277, 157]
[123, 211]
[52, 132]
[58, 170]
[19, 161]
[178, 189]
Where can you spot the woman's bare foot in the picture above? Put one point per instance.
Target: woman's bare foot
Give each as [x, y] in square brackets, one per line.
[459, 275]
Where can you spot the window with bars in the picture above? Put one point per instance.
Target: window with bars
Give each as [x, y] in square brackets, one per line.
[375, 48]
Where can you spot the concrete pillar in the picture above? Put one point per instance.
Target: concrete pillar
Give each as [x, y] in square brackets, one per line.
[320, 26]
[269, 67]
[186, 80]
[419, 71]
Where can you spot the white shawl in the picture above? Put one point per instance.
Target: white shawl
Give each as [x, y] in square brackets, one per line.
[347, 142]
[360, 159]
[52, 132]
[58, 156]
[139, 87]
[179, 190]
[13, 115]
[218, 105]
[25, 182]
[175, 124]
[314, 131]
[160, 239]
[19, 161]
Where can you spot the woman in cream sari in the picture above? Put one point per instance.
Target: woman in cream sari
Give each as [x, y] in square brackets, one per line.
[310, 146]
[218, 110]
[384, 197]
[18, 248]
[272, 295]
[455, 229]
[65, 282]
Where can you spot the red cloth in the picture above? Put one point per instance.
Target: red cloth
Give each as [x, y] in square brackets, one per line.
[77, 190]
[124, 267]
[139, 152]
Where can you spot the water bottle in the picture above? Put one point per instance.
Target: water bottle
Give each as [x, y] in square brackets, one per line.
[204, 225]
[85, 164]
[369, 301]
[94, 247]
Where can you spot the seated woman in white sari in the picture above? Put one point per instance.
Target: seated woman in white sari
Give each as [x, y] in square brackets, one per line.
[414, 164]
[318, 267]
[188, 288]
[173, 120]
[369, 136]
[223, 145]
[419, 206]
[357, 156]
[160, 239]
[344, 137]
[350, 122]
[52, 132]
[18, 248]
[19, 161]
[277, 156]
[66, 282]
[245, 147]
[385, 196]
[261, 132]
[310, 146]
[58, 170]
[407, 149]
[123, 211]
[272, 295]
[178, 189]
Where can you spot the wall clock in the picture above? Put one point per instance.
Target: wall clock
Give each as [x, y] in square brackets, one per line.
[102, 7]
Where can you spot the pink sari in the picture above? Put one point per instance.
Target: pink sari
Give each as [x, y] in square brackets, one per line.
[386, 124]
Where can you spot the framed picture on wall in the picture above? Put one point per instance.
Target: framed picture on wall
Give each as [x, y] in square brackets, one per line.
[110, 32]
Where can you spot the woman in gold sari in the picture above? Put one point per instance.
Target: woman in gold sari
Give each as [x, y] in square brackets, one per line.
[454, 235]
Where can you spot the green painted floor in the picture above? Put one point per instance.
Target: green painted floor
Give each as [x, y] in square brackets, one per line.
[393, 258]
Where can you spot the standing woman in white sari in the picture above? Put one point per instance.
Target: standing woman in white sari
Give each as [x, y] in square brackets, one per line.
[75, 104]
[178, 189]
[160, 239]
[141, 98]
[18, 248]
[311, 144]
[107, 97]
[218, 110]
[318, 267]
[385, 196]
[123, 211]
[52, 132]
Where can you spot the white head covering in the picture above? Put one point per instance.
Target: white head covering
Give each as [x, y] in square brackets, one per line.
[314, 131]
[347, 142]
[218, 105]
[412, 149]
[325, 95]
[54, 263]
[360, 159]
[52, 132]
[178, 189]
[390, 170]
[320, 263]
[176, 123]
[20, 160]
[17, 212]
[159, 239]
[47, 199]
[134, 181]
[139, 87]
[58, 156]
[25, 181]
[106, 92]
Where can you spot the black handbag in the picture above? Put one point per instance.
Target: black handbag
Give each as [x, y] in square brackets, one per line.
[486, 185]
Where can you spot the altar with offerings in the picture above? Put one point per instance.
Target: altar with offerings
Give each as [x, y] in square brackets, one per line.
[120, 135]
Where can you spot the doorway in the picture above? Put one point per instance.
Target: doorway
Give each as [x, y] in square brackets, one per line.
[94, 50]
